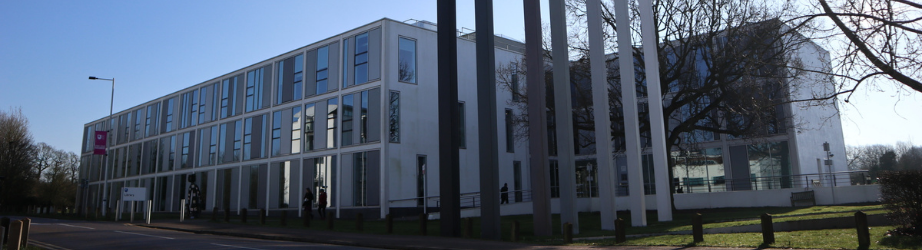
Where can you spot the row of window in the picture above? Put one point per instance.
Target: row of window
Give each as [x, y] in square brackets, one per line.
[303, 75]
[283, 132]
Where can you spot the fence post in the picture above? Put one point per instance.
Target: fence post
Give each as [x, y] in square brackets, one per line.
[861, 224]
[25, 232]
[283, 217]
[243, 215]
[5, 222]
[619, 231]
[389, 223]
[768, 231]
[515, 231]
[226, 214]
[330, 220]
[697, 228]
[423, 218]
[568, 232]
[214, 214]
[469, 227]
[359, 219]
[262, 216]
[306, 219]
[182, 209]
[15, 235]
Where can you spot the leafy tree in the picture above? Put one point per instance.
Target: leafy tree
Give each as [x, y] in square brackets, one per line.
[901, 195]
[16, 159]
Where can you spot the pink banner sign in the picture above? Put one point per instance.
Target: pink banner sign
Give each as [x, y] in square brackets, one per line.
[99, 148]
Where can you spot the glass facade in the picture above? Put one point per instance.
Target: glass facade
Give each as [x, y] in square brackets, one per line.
[361, 59]
[406, 60]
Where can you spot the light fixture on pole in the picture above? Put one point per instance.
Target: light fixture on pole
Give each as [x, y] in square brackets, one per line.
[105, 156]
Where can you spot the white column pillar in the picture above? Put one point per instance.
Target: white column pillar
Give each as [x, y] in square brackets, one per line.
[629, 102]
[599, 74]
[563, 114]
[655, 100]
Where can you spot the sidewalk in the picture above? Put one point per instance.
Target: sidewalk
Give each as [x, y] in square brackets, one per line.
[357, 239]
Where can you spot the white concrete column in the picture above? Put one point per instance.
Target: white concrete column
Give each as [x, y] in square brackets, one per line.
[655, 100]
[631, 124]
[599, 74]
[563, 113]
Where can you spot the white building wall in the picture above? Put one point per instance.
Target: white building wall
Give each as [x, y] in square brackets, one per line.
[815, 122]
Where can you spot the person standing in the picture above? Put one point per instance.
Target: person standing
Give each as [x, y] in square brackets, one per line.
[504, 194]
[308, 203]
[194, 197]
[322, 204]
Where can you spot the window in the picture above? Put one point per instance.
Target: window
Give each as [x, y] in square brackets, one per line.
[514, 82]
[222, 143]
[171, 151]
[193, 110]
[290, 79]
[169, 115]
[150, 120]
[331, 122]
[213, 146]
[201, 106]
[348, 102]
[363, 128]
[202, 148]
[276, 133]
[254, 89]
[323, 66]
[462, 139]
[284, 184]
[215, 100]
[510, 141]
[126, 128]
[309, 127]
[137, 125]
[393, 117]
[237, 135]
[406, 60]
[360, 179]
[247, 137]
[296, 130]
[345, 62]
[184, 154]
[228, 92]
[361, 59]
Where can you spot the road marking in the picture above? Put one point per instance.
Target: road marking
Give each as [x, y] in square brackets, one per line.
[216, 244]
[145, 235]
[46, 245]
[68, 225]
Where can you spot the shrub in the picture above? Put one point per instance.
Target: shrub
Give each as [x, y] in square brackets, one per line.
[901, 194]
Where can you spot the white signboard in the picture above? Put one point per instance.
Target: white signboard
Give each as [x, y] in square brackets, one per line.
[134, 194]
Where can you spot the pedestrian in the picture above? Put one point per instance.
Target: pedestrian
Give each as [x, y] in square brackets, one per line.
[194, 197]
[308, 203]
[322, 204]
[504, 194]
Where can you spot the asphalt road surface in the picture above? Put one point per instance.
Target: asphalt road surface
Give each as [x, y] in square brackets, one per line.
[68, 234]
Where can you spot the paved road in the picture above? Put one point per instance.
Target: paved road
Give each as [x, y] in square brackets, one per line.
[67, 234]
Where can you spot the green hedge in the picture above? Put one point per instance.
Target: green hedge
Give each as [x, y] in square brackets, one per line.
[901, 194]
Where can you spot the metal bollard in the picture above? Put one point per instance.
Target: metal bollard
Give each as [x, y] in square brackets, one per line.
[568, 232]
[423, 219]
[330, 220]
[359, 219]
[515, 231]
[620, 231]
[307, 219]
[468, 227]
[214, 214]
[182, 210]
[15, 234]
[26, 223]
[768, 231]
[283, 217]
[226, 214]
[389, 223]
[864, 235]
[243, 215]
[5, 222]
[262, 216]
[697, 228]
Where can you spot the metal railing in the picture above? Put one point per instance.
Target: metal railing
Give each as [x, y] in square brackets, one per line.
[468, 200]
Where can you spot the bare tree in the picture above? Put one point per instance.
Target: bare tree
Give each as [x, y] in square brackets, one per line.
[883, 42]
[16, 159]
[724, 69]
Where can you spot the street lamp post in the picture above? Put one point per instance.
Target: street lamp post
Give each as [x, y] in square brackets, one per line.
[105, 159]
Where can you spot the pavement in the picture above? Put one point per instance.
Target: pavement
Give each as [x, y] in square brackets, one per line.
[385, 241]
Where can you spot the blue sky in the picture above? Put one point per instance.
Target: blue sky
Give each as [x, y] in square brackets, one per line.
[154, 48]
